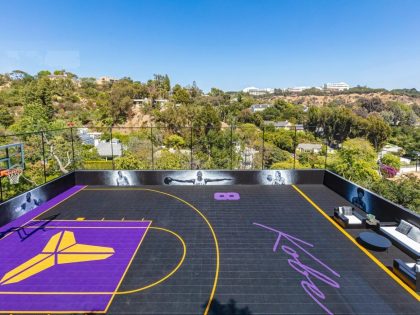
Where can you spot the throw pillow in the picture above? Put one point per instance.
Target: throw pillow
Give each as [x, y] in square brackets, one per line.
[404, 227]
[414, 234]
[347, 210]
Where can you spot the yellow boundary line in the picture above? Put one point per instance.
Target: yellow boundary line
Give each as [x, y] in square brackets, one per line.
[128, 267]
[184, 247]
[216, 243]
[364, 250]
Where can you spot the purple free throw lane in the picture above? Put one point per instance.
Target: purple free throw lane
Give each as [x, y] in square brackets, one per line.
[42, 208]
[94, 276]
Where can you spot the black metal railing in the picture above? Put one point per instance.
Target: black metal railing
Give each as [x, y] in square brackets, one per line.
[50, 154]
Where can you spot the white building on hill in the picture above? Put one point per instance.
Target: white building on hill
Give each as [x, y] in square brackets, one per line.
[298, 89]
[252, 90]
[103, 80]
[339, 86]
[260, 107]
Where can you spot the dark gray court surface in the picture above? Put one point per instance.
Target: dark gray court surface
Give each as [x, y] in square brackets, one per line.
[253, 279]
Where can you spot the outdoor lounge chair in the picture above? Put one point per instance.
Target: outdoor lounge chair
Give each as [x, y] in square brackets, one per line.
[348, 218]
[408, 272]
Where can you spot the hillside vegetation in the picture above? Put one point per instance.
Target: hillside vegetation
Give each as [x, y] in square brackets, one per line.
[219, 127]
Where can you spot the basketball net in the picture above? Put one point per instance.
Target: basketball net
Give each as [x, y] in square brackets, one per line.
[14, 175]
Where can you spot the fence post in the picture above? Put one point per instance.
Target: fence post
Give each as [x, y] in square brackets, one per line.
[72, 148]
[191, 147]
[43, 156]
[151, 141]
[263, 148]
[112, 149]
[326, 155]
[295, 146]
[1, 189]
[231, 146]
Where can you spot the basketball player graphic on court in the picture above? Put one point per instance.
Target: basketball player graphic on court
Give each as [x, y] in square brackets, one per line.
[29, 204]
[278, 179]
[199, 180]
[122, 180]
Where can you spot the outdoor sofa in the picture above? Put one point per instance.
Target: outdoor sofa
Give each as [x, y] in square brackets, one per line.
[348, 217]
[405, 236]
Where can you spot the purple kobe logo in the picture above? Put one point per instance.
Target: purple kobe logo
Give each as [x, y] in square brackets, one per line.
[309, 273]
[226, 196]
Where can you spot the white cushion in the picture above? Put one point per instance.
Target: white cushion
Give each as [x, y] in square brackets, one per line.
[353, 219]
[401, 237]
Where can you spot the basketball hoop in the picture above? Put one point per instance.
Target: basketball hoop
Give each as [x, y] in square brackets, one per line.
[14, 175]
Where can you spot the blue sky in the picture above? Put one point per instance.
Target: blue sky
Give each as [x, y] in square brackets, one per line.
[229, 44]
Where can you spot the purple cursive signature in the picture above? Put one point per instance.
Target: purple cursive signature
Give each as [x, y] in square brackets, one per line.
[309, 273]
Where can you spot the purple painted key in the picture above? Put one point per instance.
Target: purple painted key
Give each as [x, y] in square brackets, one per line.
[226, 196]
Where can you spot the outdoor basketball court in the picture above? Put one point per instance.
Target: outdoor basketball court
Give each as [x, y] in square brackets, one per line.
[191, 250]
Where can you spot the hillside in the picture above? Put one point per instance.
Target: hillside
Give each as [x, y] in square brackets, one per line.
[345, 99]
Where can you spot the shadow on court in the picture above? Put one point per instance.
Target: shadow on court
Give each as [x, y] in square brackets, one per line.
[230, 308]
[23, 233]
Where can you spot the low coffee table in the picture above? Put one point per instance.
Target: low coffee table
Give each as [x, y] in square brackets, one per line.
[374, 241]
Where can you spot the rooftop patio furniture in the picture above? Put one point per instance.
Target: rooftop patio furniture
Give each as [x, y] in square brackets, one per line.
[348, 217]
[408, 272]
[406, 236]
[374, 241]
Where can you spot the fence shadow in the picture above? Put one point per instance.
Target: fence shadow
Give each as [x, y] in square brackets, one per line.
[230, 308]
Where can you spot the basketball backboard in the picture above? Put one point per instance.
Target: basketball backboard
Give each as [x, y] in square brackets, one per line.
[12, 156]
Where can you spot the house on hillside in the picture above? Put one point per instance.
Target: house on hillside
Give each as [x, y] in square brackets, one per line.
[259, 107]
[140, 101]
[103, 80]
[284, 124]
[309, 148]
[89, 137]
[391, 148]
[109, 150]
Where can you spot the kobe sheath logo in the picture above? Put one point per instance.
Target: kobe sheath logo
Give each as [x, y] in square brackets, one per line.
[60, 249]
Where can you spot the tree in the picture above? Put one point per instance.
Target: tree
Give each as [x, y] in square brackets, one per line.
[356, 161]
[374, 104]
[6, 119]
[332, 123]
[180, 95]
[129, 162]
[378, 131]
[43, 73]
[41, 92]
[121, 100]
[402, 114]
[281, 138]
[174, 141]
[274, 155]
[404, 191]
[35, 117]
[171, 161]
[18, 75]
